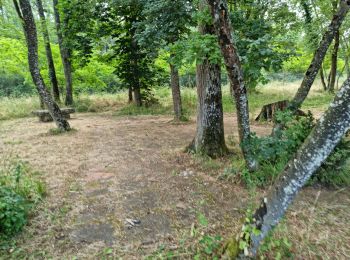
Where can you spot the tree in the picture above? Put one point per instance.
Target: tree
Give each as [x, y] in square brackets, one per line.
[319, 55]
[65, 54]
[210, 138]
[117, 22]
[24, 11]
[51, 65]
[222, 24]
[165, 22]
[328, 132]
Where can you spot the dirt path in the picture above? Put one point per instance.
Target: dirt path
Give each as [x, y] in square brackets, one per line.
[115, 169]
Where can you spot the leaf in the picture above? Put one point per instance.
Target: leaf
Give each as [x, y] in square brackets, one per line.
[202, 220]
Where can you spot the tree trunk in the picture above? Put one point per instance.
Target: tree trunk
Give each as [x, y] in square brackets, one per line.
[210, 137]
[130, 95]
[328, 132]
[176, 92]
[65, 55]
[323, 81]
[25, 13]
[223, 29]
[51, 64]
[333, 73]
[319, 55]
[137, 96]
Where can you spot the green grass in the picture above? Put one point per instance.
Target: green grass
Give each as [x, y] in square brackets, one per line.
[11, 108]
[317, 101]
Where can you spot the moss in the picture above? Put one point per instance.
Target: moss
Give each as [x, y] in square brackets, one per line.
[231, 249]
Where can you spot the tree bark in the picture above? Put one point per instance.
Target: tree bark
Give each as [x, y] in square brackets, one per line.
[210, 136]
[137, 96]
[25, 13]
[65, 55]
[176, 92]
[130, 95]
[223, 30]
[51, 64]
[328, 132]
[323, 81]
[334, 67]
[319, 55]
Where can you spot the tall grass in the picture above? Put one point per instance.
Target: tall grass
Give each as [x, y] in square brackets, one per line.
[317, 101]
[17, 107]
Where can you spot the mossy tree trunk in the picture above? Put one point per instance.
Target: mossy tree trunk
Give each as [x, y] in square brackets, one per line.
[328, 132]
[24, 11]
[50, 62]
[210, 137]
[223, 28]
[65, 55]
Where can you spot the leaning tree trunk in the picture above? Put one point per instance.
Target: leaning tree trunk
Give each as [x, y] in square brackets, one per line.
[176, 92]
[51, 64]
[323, 81]
[333, 73]
[65, 55]
[328, 132]
[223, 29]
[26, 15]
[319, 55]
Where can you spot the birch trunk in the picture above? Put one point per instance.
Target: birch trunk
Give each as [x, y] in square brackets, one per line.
[223, 30]
[25, 13]
[328, 132]
[51, 64]
[65, 55]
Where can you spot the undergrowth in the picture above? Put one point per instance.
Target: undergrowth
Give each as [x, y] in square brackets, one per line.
[20, 190]
[274, 152]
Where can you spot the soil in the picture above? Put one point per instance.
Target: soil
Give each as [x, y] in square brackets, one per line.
[124, 187]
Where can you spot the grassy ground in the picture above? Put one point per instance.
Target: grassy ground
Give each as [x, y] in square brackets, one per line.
[274, 91]
[116, 168]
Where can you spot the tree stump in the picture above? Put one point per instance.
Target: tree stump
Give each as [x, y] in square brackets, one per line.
[268, 111]
[44, 115]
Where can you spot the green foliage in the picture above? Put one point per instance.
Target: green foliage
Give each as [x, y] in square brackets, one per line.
[20, 190]
[259, 46]
[13, 212]
[274, 247]
[274, 152]
[335, 171]
[14, 85]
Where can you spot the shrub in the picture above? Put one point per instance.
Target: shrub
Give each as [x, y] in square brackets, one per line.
[20, 190]
[14, 86]
[274, 152]
[13, 212]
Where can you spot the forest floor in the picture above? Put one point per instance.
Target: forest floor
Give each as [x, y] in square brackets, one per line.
[113, 169]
